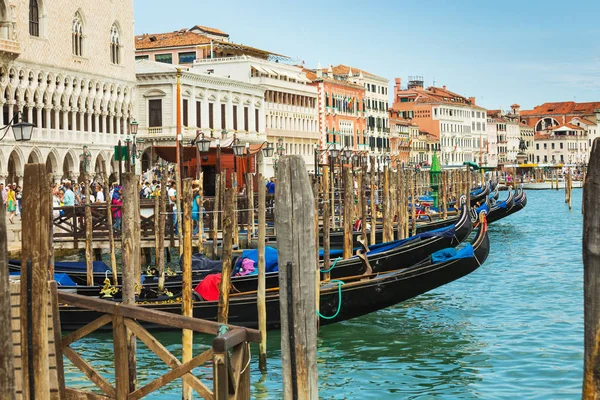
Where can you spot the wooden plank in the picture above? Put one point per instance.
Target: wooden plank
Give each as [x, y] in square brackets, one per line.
[34, 283]
[78, 394]
[260, 295]
[121, 350]
[228, 228]
[294, 214]
[87, 329]
[591, 274]
[7, 375]
[157, 348]
[89, 371]
[186, 278]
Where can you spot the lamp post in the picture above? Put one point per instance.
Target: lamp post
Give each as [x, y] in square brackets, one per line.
[133, 129]
[202, 146]
[21, 130]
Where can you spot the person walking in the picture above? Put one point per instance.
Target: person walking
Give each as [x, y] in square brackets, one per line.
[11, 203]
[99, 194]
[19, 196]
[69, 198]
[116, 203]
[196, 206]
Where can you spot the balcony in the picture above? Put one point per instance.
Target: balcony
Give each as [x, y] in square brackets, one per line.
[8, 45]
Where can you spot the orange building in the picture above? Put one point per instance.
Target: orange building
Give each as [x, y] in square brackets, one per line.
[401, 137]
[342, 117]
[546, 117]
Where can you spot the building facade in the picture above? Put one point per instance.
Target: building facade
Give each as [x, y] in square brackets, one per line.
[404, 136]
[565, 144]
[66, 67]
[215, 106]
[527, 135]
[341, 113]
[508, 135]
[458, 123]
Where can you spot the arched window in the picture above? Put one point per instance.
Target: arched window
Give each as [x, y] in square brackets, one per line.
[34, 18]
[115, 46]
[77, 35]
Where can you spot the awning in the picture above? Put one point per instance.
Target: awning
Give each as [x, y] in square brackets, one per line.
[168, 153]
[260, 69]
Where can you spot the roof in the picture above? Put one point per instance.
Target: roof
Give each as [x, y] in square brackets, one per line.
[436, 95]
[584, 120]
[170, 39]
[153, 67]
[568, 127]
[207, 29]
[342, 69]
[565, 107]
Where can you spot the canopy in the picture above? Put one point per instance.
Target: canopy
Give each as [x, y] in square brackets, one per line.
[168, 153]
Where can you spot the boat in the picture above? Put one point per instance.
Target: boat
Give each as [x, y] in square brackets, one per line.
[513, 204]
[381, 257]
[548, 184]
[340, 300]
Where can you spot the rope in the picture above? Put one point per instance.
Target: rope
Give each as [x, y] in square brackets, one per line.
[332, 266]
[340, 283]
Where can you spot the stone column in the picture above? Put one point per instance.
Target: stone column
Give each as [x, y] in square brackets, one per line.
[96, 122]
[229, 112]
[240, 114]
[48, 110]
[192, 111]
[11, 110]
[104, 119]
[217, 114]
[65, 120]
[2, 105]
[119, 115]
[204, 110]
[57, 118]
[38, 110]
[30, 112]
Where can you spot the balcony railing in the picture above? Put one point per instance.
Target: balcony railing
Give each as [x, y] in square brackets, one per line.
[11, 47]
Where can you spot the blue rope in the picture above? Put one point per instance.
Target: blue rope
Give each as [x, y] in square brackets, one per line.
[340, 283]
[332, 266]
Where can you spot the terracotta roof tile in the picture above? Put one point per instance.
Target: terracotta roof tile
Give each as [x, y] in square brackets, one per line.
[565, 107]
[171, 39]
[570, 126]
[207, 29]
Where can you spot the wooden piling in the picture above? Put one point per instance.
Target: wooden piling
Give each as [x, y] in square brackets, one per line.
[34, 285]
[162, 220]
[7, 373]
[216, 216]
[362, 185]
[385, 205]
[373, 208]
[400, 199]
[199, 243]
[326, 221]
[261, 293]
[236, 219]
[468, 185]
[250, 202]
[591, 274]
[413, 196]
[89, 244]
[111, 234]
[130, 245]
[186, 278]
[228, 228]
[294, 215]
[445, 195]
[348, 206]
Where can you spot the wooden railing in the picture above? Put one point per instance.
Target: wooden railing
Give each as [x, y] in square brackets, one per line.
[230, 352]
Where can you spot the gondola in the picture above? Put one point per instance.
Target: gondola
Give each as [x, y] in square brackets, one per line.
[513, 204]
[381, 257]
[479, 195]
[350, 298]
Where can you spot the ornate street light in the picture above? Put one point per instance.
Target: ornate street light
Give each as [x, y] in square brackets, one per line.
[280, 148]
[238, 148]
[22, 130]
[334, 152]
[203, 144]
[268, 150]
[347, 153]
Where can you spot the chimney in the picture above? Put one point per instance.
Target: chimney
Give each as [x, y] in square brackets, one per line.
[444, 87]
[471, 99]
[397, 88]
[515, 109]
[319, 71]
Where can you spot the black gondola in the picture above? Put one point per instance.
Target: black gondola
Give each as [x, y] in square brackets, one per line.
[513, 204]
[359, 295]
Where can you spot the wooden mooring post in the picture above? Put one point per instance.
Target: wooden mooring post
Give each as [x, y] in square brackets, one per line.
[348, 204]
[34, 286]
[186, 278]
[373, 207]
[326, 220]
[89, 232]
[111, 234]
[228, 233]
[162, 220]
[294, 213]
[7, 373]
[591, 277]
[261, 293]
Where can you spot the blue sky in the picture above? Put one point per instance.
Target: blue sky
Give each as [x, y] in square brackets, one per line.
[528, 52]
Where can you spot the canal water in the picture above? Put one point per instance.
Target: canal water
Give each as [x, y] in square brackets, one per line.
[512, 329]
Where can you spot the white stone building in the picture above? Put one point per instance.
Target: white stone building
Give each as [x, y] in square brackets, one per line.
[526, 133]
[290, 106]
[67, 67]
[565, 144]
[210, 104]
[490, 155]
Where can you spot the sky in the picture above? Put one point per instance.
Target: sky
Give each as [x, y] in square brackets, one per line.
[528, 52]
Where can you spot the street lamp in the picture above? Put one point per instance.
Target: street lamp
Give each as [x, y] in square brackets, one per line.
[22, 130]
[280, 147]
[348, 153]
[135, 153]
[238, 148]
[203, 144]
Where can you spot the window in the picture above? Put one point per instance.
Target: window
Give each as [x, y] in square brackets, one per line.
[561, 146]
[537, 158]
[223, 116]
[537, 146]
[164, 58]
[34, 18]
[145, 57]
[256, 120]
[115, 45]
[187, 58]
[211, 122]
[77, 35]
[198, 114]
[553, 146]
[246, 119]
[545, 158]
[545, 146]
[235, 121]
[562, 158]
[185, 112]
[154, 113]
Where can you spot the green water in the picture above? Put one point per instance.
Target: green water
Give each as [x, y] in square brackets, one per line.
[511, 330]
